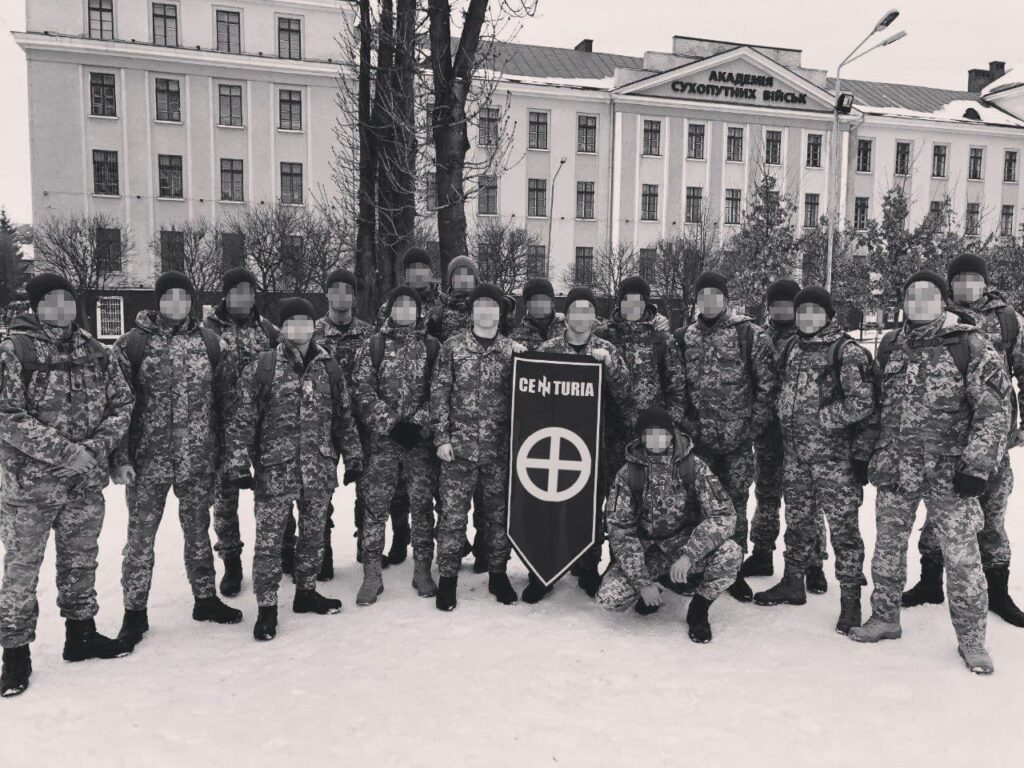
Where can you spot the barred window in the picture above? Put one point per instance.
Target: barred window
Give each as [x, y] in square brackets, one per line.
[773, 147]
[695, 141]
[230, 105]
[537, 197]
[169, 171]
[165, 24]
[652, 137]
[229, 31]
[487, 196]
[101, 19]
[109, 317]
[732, 206]
[583, 268]
[231, 180]
[585, 199]
[812, 208]
[975, 164]
[168, 100]
[290, 110]
[649, 202]
[813, 150]
[105, 172]
[172, 250]
[536, 261]
[902, 158]
[289, 38]
[586, 134]
[102, 92]
[864, 147]
[694, 199]
[108, 250]
[734, 145]
[291, 183]
[489, 117]
[538, 130]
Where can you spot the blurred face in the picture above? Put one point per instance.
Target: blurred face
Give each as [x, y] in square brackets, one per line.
[581, 316]
[463, 281]
[657, 440]
[403, 311]
[811, 318]
[968, 287]
[341, 296]
[782, 311]
[417, 276]
[923, 302]
[175, 304]
[632, 307]
[241, 299]
[57, 308]
[710, 302]
[298, 330]
[486, 314]
[540, 307]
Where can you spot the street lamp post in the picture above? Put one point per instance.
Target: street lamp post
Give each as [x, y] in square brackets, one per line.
[551, 213]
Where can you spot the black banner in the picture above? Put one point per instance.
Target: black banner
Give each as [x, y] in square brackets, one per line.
[553, 460]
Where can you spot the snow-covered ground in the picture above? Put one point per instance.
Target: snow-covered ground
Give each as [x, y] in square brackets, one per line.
[560, 683]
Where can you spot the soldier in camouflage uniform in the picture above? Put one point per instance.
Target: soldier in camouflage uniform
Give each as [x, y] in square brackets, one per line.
[828, 445]
[177, 371]
[945, 415]
[730, 393]
[990, 312]
[470, 402]
[238, 322]
[540, 323]
[64, 406]
[392, 396]
[293, 419]
[668, 515]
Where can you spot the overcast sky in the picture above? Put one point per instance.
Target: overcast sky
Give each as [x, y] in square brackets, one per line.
[946, 38]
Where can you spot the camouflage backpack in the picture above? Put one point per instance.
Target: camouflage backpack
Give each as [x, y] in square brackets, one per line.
[25, 351]
[266, 364]
[638, 478]
[377, 351]
[745, 339]
[137, 345]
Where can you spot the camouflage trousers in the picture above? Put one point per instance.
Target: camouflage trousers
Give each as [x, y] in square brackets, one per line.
[735, 470]
[271, 515]
[75, 515]
[957, 522]
[720, 568]
[992, 538]
[824, 488]
[459, 480]
[225, 519]
[389, 464]
[146, 498]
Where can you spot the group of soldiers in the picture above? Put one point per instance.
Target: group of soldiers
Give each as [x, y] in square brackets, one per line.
[416, 403]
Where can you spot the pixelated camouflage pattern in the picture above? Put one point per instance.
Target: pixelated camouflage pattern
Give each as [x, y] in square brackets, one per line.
[342, 342]
[431, 298]
[735, 470]
[416, 469]
[768, 448]
[272, 513]
[462, 481]
[450, 317]
[531, 333]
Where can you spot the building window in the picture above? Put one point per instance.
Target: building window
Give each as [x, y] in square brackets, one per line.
[734, 145]
[694, 198]
[860, 213]
[975, 162]
[487, 198]
[230, 105]
[864, 155]
[695, 141]
[939, 161]
[101, 19]
[649, 202]
[232, 248]
[584, 199]
[489, 117]
[172, 250]
[812, 209]
[109, 317]
[1010, 165]
[231, 178]
[168, 100]
[586, 134]
[104, 172]
[108, 250]
[289, 104]
[289, 38]
[229, 31]
[102, 93]
[537, 197]
[972, 221]
[584, 266]
[538, 130]
[773, 147]
[646, 262]
[902, 158]
[1006, 221]
[165, 24]
[652, 137]
[169, 167]
[536, 261]
[291, 183]
[814, 150]
[732, 206]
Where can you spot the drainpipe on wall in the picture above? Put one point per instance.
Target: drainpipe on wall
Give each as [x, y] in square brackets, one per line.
[611, 171]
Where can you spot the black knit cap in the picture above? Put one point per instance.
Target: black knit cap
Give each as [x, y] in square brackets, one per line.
[173, 279]
[294, 307]
[415, 256]
[927, 276]
[782, 290]
[238, 275]
[538, 286]
[340, 276]
[404, 290]
[580, 293]
[43, 283]
[488, 291]
[652, 417]
[634, 285]
[815, 294]
[967, 263]
[711, 280]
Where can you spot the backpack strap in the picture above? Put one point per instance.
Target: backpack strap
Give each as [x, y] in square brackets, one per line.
[269, 329]
[637, 481]
[376, 350]
[433, 350]
[212, 341]
[335, 375]
[885, 348]
[135, 347]
[960, 348]
[265, 365]
[25, 351]
[745, 332]
[1009, 328]
[787, 347]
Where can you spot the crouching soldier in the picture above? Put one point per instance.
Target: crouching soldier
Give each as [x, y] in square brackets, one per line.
[177, 372]
[668, 515]
[64, 406]
[826, 403]
[293, 419]
[392, 396]
[945, 416]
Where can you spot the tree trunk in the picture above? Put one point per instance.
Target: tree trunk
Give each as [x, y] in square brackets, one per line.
[366, 250]
[404, 98]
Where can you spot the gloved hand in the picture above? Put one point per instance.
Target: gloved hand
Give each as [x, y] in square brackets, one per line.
[968, 486]
[244, 482]
[406, 434]
[351, 475]
[860, 471]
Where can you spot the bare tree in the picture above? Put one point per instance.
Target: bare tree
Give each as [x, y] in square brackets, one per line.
[201, 256]
[87, 250]
[503, 251]
[679, 260]
[609, 267]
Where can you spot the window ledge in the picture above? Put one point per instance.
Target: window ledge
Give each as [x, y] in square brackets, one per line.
[736, 162]
[590, 220]
[105, 196]
[171, 199]
[231, 127]
[700, 160]
[538, 149]
[581, 152]
[104, 117]
[970, 179]
[538, 218]
[654, 156]
[168, 122]
[487, 213]
[290, 130]
[232, 202]
[294, 205]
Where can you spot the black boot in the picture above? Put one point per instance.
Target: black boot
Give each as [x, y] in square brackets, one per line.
[82, 641]
[758, 564]
[928, 589]
[311, 601]
[999, 600]
[359, 544]
[215, 610]
[480, 560]
[741, 591]
[697, 619]
[849, 610]
[535, 591]
[399, 545]
[589, 580]
[644, 609]
[446, 599]
[687, 588]
[231, 583]
[133, 627]
[266, 623]
[816, 582]
[789, 591]
[288, 559]
[327, 566]
[17, 669]
[499, 586]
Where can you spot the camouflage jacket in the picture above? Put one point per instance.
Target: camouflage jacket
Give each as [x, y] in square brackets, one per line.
[471, 397]
[245, 340]
[178, 395]
[532, 333]
[294, 429]
[431, 297]
[815, 411]
[929, 412]
[618, 385]
[399, 388]
[777, 333]
[730, 393]
[673, 516]
[342, 342]
[450, 317]
[83, 399]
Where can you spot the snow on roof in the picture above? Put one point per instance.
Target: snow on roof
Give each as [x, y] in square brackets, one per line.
[953, 111]
[1014, 78]
[588, 83]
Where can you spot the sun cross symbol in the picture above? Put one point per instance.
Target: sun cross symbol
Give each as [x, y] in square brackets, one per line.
[554, 463]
